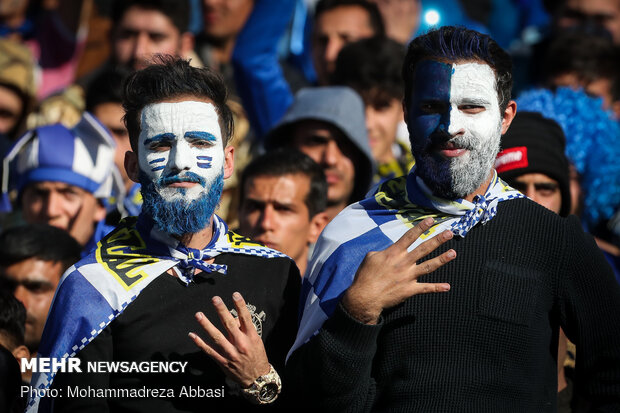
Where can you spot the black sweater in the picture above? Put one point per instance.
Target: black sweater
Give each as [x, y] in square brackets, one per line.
[488, 345]
[154, 327]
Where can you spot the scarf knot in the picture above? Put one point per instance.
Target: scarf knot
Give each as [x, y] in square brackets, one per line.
[194, 259]
[483, 211]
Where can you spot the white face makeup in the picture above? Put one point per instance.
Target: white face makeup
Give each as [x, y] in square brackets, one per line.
[180, 145]
[455, 124]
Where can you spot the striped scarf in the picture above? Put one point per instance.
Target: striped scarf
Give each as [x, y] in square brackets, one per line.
[374, 224]
[96, 290]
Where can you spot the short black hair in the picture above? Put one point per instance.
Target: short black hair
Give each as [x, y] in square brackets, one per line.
[171, 77]
[373, 67]
[40, 241]
[106, 87]
[177, 11]
[374, 15]
[12, 319]
[287, 161]
[589, 56]
[454, 44]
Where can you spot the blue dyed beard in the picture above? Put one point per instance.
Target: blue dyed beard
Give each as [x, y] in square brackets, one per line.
[180, 216]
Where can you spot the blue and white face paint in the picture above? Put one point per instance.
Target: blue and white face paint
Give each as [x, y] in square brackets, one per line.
[181, 146]
[455, 125]
[181, 160]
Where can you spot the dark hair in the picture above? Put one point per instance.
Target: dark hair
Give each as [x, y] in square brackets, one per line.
[286, 161]
[589, 57]
[107, 87]
[40, 241]
[177, 11]
[171, 77]
[12, 319]
[372, 67]
[374, 15]
[453, 44]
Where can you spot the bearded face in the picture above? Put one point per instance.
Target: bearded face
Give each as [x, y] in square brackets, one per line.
[181, 161]
[455, 126]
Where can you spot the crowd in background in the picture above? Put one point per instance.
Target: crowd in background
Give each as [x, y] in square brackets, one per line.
[320, 77]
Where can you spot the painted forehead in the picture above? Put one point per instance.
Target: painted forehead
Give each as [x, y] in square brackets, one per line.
[179, 119]
[452, 81]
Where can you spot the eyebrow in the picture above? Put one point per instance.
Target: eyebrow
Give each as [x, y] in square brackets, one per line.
[160, 137]
[474, 101]
[200, 135]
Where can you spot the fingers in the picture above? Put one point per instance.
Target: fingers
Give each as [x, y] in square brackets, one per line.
[432, 244]
[207, 349]
[228, 321]
[218, 339]
[425, 288]
[431, 265]
[414, 233]
[245, 318]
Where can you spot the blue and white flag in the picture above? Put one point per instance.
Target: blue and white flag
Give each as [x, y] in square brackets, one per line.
[374, 224]
[96, 290]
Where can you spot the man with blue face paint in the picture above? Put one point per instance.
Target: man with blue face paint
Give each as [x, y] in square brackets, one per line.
[159, 276]
[511, 272]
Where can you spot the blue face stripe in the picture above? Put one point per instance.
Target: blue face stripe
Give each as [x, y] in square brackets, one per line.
[200, 135]
[161, 137]
[157, 160]
[431, 85]
[204, 158]
[204, 165]
[158, 168]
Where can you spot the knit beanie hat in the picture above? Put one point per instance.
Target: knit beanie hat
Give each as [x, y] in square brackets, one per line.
[534, 144]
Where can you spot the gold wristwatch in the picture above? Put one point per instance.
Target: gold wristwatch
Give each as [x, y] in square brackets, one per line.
[265, 389]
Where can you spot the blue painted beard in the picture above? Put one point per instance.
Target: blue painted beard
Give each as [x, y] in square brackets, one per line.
[180, 216]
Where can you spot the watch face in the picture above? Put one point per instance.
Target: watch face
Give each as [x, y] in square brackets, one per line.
[268, 392]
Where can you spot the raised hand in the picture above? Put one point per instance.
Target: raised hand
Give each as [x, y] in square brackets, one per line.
[386, 278]
[240, 353]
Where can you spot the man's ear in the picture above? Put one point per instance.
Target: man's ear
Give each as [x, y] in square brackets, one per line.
[131, 166]
[21, 352]
[229, 161]
[509, 115]
[317, 223]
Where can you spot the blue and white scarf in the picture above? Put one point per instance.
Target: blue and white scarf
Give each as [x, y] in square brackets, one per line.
[374, 224]
[96, 290]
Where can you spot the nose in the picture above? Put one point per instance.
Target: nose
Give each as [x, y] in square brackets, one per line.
[267, 218]
[331, 153]
[141, 47]
[52, 205]
[332, 48]
[530, 192]
[22, 295]
[370, 118]
[180, 156]
[453, 121]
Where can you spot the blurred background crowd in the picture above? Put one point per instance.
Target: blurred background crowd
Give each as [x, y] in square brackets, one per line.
[318, 77]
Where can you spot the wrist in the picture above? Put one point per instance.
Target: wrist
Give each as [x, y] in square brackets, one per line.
[359, 311]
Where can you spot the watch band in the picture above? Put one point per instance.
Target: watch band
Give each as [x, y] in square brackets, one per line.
[265, 388]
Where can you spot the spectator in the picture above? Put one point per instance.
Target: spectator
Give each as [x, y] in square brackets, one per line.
[593, 14]
[327, 124]
[62, 177]
[372, 67]
[336, 23]
[283, 199]
[488, 342]
[12, 350]
[104, 100]
[143, 309]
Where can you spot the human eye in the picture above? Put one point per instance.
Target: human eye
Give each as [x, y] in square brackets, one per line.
[431, 107]
[471, 108]
[200, 143]
[160, 145]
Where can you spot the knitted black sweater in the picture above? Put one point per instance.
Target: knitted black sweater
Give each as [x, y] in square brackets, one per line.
[488, 345]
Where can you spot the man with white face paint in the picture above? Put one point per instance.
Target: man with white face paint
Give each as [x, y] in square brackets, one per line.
[512, 272]
[159, 276]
